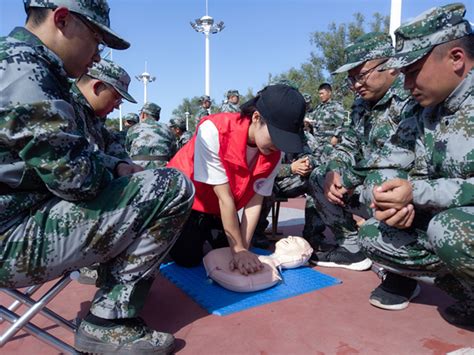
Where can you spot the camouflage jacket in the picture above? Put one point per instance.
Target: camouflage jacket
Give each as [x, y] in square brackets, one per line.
[98, 135]
[185, 138]
[200, 114]
[43, 152]
[309, 147]
[150, 139]
[435, 147]
[369, 130]
[229, 107]
[328, 119]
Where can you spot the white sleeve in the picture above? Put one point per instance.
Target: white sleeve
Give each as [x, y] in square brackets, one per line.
[264, 186]
[208, 167]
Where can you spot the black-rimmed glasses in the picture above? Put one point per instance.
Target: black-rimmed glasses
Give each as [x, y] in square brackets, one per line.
[97, 36]
[361, 78]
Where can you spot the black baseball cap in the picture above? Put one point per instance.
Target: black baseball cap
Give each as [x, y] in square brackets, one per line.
[283, 109]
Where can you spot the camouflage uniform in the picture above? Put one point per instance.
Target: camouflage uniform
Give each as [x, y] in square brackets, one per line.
[370, 128]
[228, 106]
[95, 131]
[202, 112]
[60, 207]
[150, 144]
[327, 118]
[434, 149]
[290, 185]
[185, 136]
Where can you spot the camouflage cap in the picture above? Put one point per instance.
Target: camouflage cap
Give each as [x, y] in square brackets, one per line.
[95, 11]
[416, 38]
[133, 117]
[111, 73]
[178, 122]
[204, 98]
[233, 93]
[373, 45]
[151, 109]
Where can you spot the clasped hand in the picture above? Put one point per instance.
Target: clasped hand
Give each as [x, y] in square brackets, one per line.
[392, 202]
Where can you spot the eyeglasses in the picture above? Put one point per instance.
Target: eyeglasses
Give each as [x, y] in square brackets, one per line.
[361, 78]
[97, 36]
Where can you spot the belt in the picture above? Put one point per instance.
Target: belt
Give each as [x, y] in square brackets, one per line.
[150, 157]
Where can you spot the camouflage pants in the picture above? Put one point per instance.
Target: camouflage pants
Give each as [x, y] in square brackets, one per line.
[338, 219]
[290, 187]
[442, 253]
[128, 229]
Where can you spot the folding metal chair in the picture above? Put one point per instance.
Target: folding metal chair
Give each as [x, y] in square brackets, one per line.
[34, 307]
[276, 214]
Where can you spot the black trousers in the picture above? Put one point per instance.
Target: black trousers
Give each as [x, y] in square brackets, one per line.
[200, 227]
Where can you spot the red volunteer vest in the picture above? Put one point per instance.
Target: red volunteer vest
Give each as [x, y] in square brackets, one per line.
[233, 133]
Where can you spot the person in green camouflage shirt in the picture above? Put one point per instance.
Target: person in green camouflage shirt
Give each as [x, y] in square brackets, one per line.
[327, 119]
[183, 136]
[150, 143]
[375, 116]
[99, 92]
[61, 206]
[130, 119]
[423, 199]
[204, 109]
[232, 102]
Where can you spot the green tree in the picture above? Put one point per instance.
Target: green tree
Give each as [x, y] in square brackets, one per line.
[192, 106]
[329, 55]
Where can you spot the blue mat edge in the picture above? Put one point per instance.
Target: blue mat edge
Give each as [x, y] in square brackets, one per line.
[222, 314]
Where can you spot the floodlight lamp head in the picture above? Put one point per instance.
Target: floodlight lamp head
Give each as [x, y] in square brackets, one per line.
[207, 20]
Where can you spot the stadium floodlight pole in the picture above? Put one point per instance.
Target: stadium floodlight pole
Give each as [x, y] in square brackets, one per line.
[207, 26]
[120, 119]
[395, 17]
[146, 78]
[187, 120]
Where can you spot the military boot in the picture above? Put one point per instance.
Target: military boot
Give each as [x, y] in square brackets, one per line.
[120, 336]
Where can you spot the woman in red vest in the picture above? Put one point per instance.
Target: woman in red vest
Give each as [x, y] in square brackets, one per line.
[232, 160]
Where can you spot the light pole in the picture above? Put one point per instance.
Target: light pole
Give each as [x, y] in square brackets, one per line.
[395, 17]
[146, 78]
[207, 26]
[187, 120]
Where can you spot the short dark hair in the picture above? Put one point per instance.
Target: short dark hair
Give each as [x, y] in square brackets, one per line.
[325, 86]
[84, 79]
[36, 16]
[466, 43]
[247, 110]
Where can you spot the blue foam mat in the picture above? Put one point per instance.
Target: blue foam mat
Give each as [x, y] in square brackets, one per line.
[220, 301]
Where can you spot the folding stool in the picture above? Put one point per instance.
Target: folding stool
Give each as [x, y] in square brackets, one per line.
[34, 307]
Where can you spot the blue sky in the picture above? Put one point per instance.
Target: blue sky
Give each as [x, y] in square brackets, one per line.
[260, 37]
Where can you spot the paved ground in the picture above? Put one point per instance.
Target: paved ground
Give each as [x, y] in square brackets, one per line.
[334, 320]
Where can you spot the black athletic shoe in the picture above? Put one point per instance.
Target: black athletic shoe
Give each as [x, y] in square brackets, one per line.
[394, 293]
[460, 313]
[341, 257]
